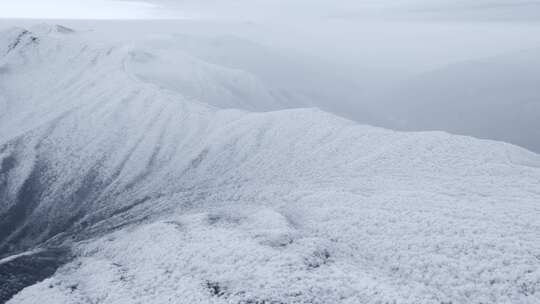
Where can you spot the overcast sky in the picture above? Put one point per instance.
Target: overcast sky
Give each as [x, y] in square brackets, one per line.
[141, 9]
[79, 9]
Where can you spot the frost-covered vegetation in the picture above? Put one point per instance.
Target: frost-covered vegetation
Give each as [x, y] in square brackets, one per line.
[165, 197]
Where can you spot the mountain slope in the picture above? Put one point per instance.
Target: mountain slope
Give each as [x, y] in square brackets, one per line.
[493, 98]
[162, 198]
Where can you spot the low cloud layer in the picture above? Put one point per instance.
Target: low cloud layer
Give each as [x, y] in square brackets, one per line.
[480, 10]
[438, 9]
[78, 9]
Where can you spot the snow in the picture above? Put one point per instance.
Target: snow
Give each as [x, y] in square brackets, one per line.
[383, 68]
[167, 197]
[13, 257]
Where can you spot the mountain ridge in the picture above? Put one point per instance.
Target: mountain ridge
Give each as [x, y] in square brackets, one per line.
[288, 206]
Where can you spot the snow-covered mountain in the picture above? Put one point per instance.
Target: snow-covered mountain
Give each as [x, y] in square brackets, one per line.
[494, 98]
[163, 194]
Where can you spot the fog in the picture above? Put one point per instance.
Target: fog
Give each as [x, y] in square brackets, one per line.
[464, 67]
[401, 9]
[78, 9]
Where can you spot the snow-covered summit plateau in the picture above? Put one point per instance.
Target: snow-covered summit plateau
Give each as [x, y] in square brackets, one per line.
[163, 198]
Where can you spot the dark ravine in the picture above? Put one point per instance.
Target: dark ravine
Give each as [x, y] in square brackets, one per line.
[12, 222]
[27, 270]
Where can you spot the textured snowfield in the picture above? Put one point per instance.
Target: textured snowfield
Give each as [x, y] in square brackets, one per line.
[166, 199]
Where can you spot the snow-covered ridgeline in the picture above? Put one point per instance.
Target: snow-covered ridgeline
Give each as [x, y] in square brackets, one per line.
[291, 206]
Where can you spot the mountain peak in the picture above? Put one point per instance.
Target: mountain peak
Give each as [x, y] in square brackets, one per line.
[46, 28]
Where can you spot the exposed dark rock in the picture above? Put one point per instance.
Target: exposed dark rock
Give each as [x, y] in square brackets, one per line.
[319, 258]
[17, 40]
[216, 289]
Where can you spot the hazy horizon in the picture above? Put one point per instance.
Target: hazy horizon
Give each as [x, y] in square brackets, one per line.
[483, 10]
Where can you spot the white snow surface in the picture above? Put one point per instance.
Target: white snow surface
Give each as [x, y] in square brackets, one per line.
[197, 203]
